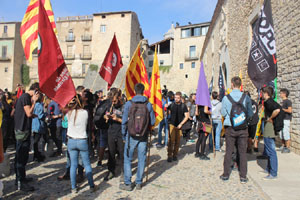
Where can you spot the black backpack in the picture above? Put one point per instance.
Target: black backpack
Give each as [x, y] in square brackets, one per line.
[138, 119]
[278, 121]
[238, 114]
[99, 120]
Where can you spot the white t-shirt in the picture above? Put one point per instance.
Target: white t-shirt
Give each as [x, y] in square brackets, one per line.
[77, 129]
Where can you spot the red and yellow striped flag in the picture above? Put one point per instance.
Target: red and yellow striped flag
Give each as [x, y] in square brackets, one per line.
[136, 73]
[155, 91]
[29, 26]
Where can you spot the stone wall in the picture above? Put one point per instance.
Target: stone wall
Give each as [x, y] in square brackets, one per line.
[286, 17]
[229, 42]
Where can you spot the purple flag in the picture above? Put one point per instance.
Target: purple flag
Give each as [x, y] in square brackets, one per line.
[202, 94]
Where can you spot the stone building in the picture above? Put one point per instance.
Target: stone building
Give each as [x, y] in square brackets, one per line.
[179, 56]
[11, 55]
[84, 41]
[228, 42]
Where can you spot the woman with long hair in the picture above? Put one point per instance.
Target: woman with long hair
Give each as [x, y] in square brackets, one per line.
[78, 141]
[7, 121]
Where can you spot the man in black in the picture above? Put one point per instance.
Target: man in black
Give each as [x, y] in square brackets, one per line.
[23, 119]
[115, 138]
[179, 115]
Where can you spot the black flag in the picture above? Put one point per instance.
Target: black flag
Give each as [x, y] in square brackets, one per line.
[221, 85]
[262, 66]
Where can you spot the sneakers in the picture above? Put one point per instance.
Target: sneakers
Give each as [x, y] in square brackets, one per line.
[280, 148]
[125, 187]
[64, 177]
[197, 155]
[94, 188]
[244, 180]
[159, 146]
[270, 177]
[109, 176]
[204, 157]
[138, 186]
[285, 150]
[170, 159]
[224, 178]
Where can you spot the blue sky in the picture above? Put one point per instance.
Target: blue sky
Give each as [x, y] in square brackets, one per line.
[155, 16]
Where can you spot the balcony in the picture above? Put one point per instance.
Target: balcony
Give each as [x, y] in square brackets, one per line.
[5, 59]
[70, 38]
[192, 57]
[86, 56]
[86, 38]
[69, 57]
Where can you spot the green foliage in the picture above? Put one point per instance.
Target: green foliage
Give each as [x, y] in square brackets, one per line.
[93, 67]
[165, 69]
[25, 75]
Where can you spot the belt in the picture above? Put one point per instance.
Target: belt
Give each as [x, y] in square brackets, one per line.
[76, 138]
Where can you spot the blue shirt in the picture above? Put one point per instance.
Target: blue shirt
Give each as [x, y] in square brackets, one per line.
[53, 109]
[128, 104]
[38, 124]
[226, 106]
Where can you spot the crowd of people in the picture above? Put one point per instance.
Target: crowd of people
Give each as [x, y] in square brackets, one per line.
[92, 125]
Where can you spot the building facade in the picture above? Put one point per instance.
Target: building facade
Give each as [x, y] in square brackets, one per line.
[84, 41]
[228, 43]
[179, 56]
[11, 55]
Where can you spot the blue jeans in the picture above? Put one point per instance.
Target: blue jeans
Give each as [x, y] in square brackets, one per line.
[128, 153]
[217, 125]
[76, 147]
[270, 150]
[163, 124]
[64, 135]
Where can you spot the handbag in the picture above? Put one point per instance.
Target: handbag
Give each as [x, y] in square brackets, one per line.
[207, 128]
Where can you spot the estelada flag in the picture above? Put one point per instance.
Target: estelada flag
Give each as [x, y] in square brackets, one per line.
[29, 26]
[112, 63]
[262, 64]
[155, 95]
[136, 73]
[221, 85]
[54, 78]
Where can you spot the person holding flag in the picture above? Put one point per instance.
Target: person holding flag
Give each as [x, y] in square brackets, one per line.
[203, 114]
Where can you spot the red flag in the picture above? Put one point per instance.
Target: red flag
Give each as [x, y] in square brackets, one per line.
[112, 63]
[54, 78]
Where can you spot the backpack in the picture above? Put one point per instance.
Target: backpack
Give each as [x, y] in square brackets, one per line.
[238, 114]
[99, 120]
[138, 119]
[278, 121]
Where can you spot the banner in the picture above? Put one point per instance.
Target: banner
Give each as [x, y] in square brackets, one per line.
[262, 62]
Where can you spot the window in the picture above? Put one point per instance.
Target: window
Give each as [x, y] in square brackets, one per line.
[103, 16]
[185, 33]
[5, 29]
[196, 31]
[161, 62]
[150, 63]
[4, 51]
[6, 69]
[70, 35]
[69, 51]
[193, 65]
[192, 52]
[103, 28]
[84, 66]
[204, 30]
[86, 49]
[186, 76]
[181, 66]
[122, 15]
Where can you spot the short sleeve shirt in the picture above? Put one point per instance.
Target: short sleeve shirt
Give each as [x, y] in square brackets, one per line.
[285, 105]
[22, 122]
[177, 113]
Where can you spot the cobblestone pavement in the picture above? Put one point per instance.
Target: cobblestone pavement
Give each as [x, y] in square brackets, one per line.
[188, 178]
